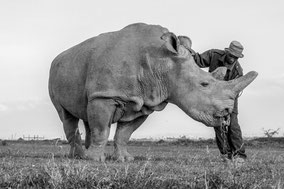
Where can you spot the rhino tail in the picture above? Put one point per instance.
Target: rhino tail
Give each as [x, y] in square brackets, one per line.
[88, 135]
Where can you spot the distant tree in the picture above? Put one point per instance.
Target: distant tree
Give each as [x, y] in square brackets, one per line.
[269, 133]
[183, 137]
[4, 143]
[21, 139]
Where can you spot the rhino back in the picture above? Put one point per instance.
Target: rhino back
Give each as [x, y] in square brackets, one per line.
[67, 78]
[108, 65]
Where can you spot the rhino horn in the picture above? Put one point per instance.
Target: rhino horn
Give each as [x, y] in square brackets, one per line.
[242, 82]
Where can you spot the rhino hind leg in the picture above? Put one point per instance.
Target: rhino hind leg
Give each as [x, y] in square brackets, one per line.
[70, 124]
[121, 138]
[100, 115]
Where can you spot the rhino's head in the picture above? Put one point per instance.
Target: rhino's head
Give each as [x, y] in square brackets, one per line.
[202, 95]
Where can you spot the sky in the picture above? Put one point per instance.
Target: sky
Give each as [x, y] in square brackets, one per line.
[34, 32]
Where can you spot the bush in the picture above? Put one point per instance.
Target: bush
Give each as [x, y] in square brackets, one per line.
[4, 143]
[269, 133]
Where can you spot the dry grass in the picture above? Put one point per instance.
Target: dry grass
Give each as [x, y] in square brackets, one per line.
[155, 166]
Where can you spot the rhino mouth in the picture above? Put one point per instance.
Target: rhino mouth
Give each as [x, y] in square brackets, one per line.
[222, 119]
[217, 119]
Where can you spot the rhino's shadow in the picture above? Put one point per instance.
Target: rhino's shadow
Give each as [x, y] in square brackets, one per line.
[43, 156]
[144, 158]
[109, 157]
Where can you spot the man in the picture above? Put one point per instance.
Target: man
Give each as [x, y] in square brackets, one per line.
[214, 58]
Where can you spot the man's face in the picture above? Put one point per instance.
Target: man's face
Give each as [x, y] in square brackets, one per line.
[231, 59]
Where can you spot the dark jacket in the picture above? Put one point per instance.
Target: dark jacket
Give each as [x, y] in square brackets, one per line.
[216, 58]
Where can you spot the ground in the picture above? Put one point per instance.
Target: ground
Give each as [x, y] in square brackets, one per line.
[156, 165]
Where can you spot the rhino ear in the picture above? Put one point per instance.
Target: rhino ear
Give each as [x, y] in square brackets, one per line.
[185, 41]
[172, 42]
[219, 73]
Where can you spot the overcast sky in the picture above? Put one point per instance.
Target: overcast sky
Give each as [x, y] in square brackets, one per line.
[33, 32]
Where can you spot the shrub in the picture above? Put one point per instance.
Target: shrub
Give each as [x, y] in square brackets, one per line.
[4, 143]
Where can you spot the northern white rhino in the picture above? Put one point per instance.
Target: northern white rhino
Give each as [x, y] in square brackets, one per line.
[123, 76]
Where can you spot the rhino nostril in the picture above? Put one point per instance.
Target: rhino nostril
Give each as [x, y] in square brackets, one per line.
[226, 111]
[230, 110]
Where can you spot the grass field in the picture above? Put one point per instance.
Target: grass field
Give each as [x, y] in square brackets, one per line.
[156, 165]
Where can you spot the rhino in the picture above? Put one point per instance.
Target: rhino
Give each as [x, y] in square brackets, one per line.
[124, 76]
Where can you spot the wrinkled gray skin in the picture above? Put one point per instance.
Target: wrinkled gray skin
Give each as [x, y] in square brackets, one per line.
[122, 77]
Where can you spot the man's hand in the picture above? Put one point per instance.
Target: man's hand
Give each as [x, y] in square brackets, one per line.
[225, 121]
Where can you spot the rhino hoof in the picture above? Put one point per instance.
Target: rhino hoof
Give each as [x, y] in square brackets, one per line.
[76, 154]
[124, 158]
[129, 158]
[99, 158]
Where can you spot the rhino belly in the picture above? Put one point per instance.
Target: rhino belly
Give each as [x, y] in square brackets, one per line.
[128, 114]
[132, 115]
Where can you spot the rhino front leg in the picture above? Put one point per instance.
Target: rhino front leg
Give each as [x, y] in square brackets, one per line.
[122, 135]
[100, 114]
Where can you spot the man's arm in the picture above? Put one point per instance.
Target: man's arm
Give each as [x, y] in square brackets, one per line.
[238, 73]
[203, 60]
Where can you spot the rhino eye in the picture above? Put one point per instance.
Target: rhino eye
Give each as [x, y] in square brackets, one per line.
[204, 84]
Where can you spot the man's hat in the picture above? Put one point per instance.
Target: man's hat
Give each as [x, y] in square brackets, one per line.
[235, 49]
